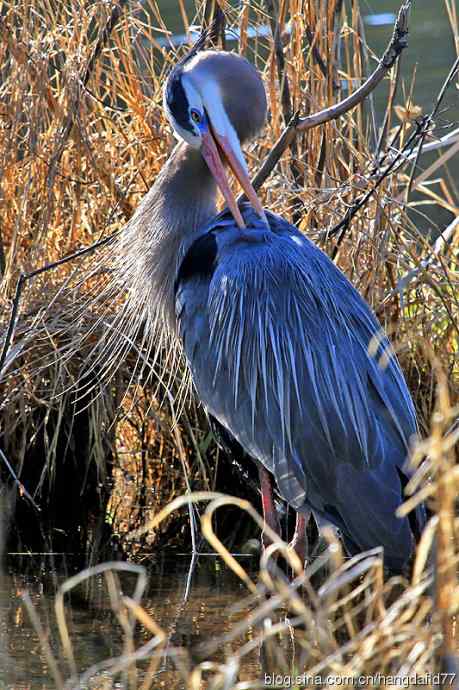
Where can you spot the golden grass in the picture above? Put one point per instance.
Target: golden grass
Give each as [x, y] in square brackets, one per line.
[75, 163]
[353, 625]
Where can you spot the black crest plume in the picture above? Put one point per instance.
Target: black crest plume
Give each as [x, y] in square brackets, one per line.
[209, 35]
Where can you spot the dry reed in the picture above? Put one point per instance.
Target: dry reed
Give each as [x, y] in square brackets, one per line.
[82, 136]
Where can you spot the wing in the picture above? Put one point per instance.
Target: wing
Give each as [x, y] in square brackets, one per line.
[288, 357]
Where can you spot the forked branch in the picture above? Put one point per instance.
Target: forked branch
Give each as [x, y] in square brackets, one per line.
[299, 124]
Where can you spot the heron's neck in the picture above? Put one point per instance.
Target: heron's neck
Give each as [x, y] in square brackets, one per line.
[181, 201]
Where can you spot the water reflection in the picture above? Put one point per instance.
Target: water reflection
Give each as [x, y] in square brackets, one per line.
[94, 629]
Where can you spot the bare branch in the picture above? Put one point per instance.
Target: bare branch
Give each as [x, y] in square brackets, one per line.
[414, 145]
[397, 43]
[270, 162]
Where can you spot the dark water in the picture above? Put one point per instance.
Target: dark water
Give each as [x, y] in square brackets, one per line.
[94, 630]
[425, 63]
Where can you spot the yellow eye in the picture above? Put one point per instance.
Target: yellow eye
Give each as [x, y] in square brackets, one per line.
[195, 116]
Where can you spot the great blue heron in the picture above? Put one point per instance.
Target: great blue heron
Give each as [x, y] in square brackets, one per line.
[284, 353]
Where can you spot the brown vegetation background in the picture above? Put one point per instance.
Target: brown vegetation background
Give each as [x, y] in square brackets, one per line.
[82, 137]
[96, 430]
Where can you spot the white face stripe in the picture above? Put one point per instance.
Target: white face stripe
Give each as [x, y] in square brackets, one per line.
[220, 122]
[184, 135]
[192, 94]
[194, 101]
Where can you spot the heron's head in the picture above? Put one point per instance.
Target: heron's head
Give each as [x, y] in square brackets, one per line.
[215, 101]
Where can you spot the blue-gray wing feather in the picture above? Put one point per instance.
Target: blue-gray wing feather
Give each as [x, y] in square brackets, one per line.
[289, 358]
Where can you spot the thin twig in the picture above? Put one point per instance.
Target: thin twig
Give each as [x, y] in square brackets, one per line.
[117, 11]
[341, 227]
[298, 124]
[2, 255]
[24, 277]
[278, 48]
[284, 87]
[183, 460]
[446, 84]
[450, 138]
[440, 243]
[316, 53]
[22, 490]
[43, 635]
[66, 128]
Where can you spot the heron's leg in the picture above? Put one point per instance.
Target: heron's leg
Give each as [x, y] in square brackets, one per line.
[269, 508]
[300, 539]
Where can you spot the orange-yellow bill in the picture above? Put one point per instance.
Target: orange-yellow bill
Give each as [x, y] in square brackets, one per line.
[241, 175]
[211, 155]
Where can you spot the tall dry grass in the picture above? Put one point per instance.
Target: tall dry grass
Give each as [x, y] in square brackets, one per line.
[353, 630]
[82, 137]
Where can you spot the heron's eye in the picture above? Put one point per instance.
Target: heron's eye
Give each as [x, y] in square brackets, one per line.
[196, 116]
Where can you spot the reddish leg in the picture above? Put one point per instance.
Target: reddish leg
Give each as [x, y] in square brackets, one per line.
[269, 508]
[300, 540]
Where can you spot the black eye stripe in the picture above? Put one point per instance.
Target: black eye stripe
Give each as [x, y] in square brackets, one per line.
[177, 102]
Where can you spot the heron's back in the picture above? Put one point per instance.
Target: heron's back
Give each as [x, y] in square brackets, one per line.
[289, 358]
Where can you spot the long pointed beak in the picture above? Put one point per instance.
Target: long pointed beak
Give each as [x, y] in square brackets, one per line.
[212, 157]
[241, 175]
